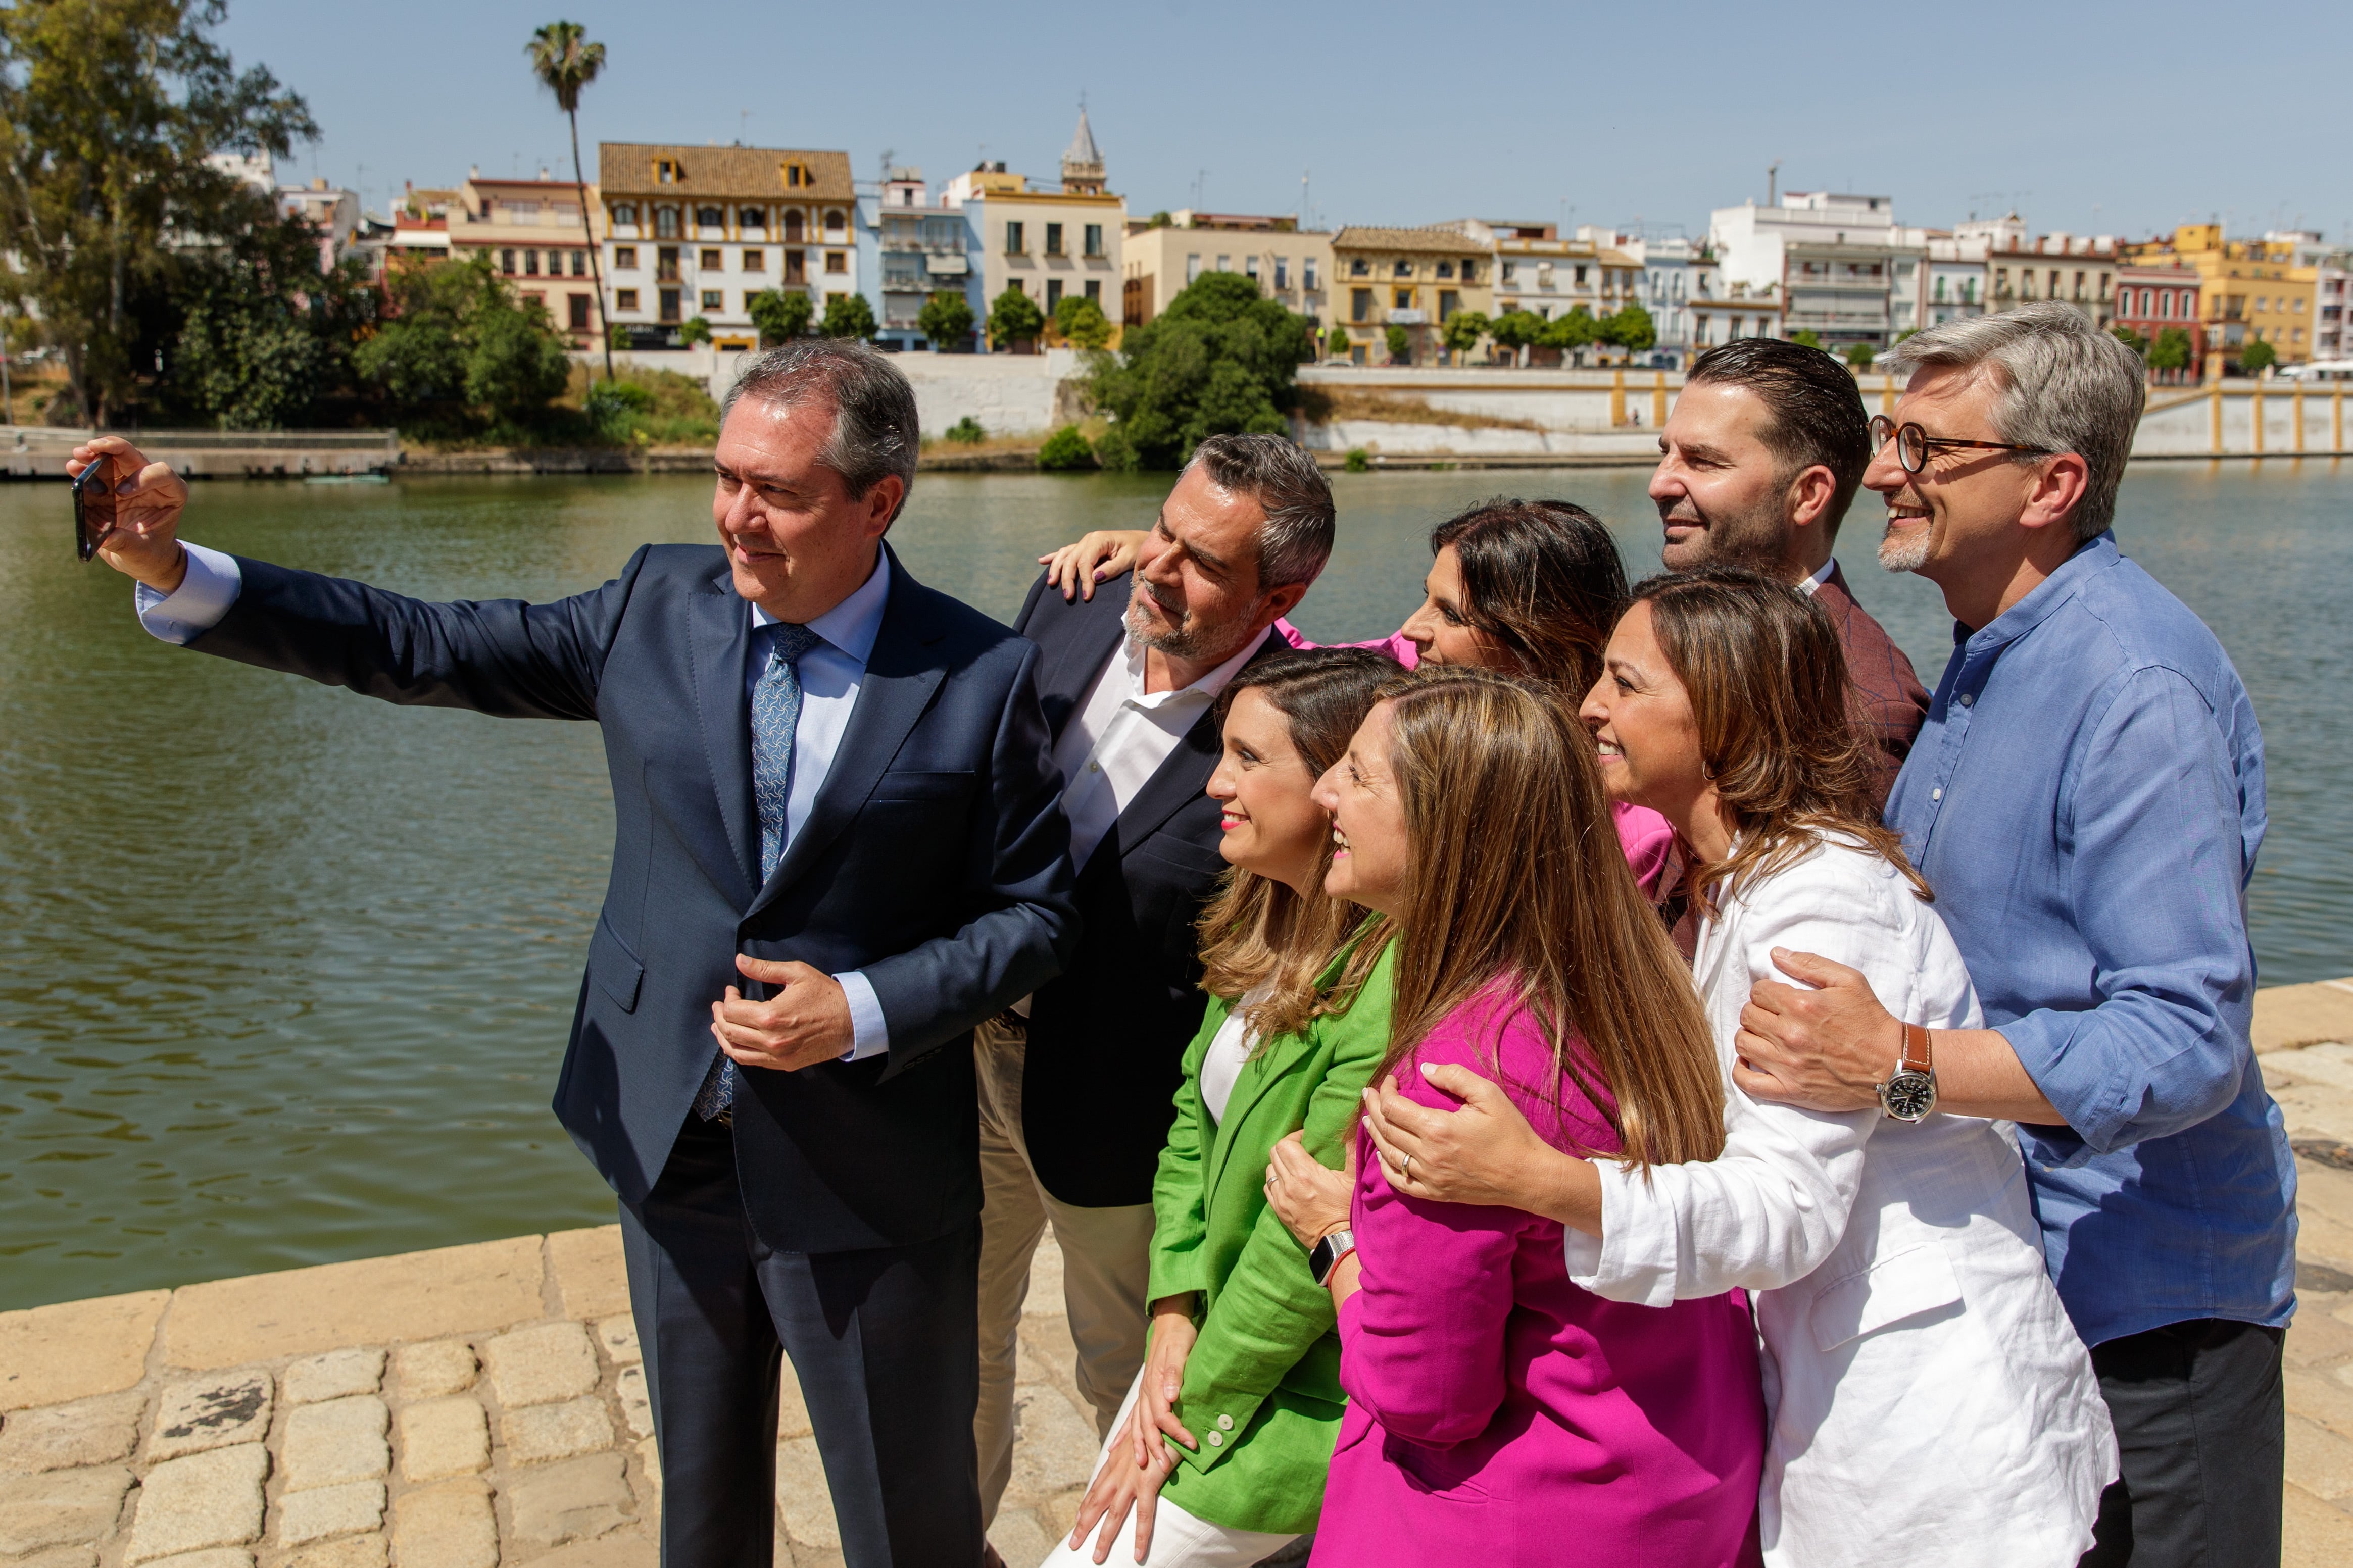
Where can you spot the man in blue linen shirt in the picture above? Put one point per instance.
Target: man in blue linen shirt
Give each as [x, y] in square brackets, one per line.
[2087, 798]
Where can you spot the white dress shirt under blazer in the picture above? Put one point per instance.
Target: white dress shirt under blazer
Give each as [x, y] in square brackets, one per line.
[1929, 1403]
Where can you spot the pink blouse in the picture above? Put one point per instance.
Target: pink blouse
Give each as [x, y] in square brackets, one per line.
[1643, 833]
[1500, 1415]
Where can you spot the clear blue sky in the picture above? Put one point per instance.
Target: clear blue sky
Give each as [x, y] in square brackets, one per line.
[2109, 117]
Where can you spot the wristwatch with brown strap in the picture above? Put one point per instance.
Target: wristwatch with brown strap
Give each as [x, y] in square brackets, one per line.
[1910, 1092]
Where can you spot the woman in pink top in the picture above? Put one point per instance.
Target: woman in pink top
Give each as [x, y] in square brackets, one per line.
[1525, 587]
[1498, 1414]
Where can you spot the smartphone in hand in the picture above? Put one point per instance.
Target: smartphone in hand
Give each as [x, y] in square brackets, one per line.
[94, 506]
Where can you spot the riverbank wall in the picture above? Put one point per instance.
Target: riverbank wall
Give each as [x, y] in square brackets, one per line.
[486, 1404]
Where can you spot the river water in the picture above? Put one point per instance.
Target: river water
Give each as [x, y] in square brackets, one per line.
[285, 974]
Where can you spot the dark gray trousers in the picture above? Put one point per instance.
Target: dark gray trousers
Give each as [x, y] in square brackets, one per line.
[2201, 1424]
[886, 1346]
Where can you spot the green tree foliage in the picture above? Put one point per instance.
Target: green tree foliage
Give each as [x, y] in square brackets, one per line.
[108, 109]
[1015, 318]
[2171, 349]
[1401, 345]
[460, 351]
[1808, 336]
[1357, 461]
[1336, 345]
[2131, 340]
[1574, 330]
[1464, 328]
[848, 316]
[966, 432]
[778, 316]
[565, 61]
[945, 319]
[264, 337]
[1082, 322]
[1860, 355]
[1631, 329]
[1516, 330]
[643, 407]
[694, 330]
[1221, 358]
[1159, 220]
[2256, 357]
[1066, 451]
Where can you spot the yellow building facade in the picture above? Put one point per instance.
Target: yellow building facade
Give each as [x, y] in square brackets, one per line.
[2251, 290]
[1415, 278]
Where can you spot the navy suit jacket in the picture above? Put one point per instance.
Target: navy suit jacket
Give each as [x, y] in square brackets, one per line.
[935, 860]
[1107, 1039]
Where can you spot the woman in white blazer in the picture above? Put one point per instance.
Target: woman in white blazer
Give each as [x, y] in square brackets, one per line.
[1929, 1402]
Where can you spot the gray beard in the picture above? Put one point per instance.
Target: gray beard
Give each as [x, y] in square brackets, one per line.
[1199, 643]
[1904, 552]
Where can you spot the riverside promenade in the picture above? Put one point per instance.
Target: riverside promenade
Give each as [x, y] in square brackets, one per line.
[486, 1404]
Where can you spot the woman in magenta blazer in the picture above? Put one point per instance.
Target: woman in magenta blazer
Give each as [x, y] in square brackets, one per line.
[1497, 1413]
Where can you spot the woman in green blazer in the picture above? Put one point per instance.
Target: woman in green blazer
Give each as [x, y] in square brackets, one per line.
[1221, 1451]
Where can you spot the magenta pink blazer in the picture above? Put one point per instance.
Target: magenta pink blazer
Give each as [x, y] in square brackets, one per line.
[1499, 1415]
[1642, 832]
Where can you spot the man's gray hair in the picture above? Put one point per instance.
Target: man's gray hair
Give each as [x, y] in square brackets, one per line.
[2064, 386]
[875, 430]
[1295, 540]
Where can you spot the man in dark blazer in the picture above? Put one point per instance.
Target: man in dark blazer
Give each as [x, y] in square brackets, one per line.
[1758, 464]
[1076, 1083]
[837, 848]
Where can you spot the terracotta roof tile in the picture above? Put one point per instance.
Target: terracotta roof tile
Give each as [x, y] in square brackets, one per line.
[727, 174]
[1444, 241]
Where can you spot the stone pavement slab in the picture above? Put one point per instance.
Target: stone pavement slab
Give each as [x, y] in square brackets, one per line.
[541, 1364]
[212, 1498]
[373, 1301]
[542, 1433]
[335, 1443]
[87, 1432]
[334, 1375]
[590, 1279]
[576, 1500]
[49, 1355]
[60, 1508]
[2288, 1016]
[351, 1552]
[444, 1437]
[443, 1366]
[217, 1412]
[354, 1509]
[449, 1525]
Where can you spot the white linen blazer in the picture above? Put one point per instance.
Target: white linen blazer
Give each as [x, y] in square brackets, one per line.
[1928, 1401]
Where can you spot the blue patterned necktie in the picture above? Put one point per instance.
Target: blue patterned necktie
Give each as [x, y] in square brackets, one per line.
[776, 711]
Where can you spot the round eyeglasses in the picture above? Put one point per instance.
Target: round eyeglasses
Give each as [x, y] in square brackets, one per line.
[1913, 444]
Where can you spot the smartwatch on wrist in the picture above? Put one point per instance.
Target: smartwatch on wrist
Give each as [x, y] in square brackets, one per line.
[1910, 1092]
[1325, 1255]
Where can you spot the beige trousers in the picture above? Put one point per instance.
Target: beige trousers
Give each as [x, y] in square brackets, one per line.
[1106, 1262]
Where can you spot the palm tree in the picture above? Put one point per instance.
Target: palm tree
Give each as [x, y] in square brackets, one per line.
[565, 62]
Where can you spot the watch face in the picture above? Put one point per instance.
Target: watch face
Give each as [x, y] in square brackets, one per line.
[1908, 1096]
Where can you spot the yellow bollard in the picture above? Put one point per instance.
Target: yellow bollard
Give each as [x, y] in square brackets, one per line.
[2336, 421]
[1659, 400]
[1887, 395]
[2296, 404]
[2214, 442]
[1616, 399]
[2255, 412]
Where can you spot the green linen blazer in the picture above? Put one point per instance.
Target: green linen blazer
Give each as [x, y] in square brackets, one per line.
[1262, 1394]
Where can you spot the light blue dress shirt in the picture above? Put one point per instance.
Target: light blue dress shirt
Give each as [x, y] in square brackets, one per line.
[2087, 798]
[831, 674]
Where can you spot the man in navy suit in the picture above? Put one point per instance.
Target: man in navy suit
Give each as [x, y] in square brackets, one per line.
[837, 848]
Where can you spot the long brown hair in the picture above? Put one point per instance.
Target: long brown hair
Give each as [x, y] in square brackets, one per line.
[1542, 580]
[1517, 877]
[1258, 932]
[1768, 683]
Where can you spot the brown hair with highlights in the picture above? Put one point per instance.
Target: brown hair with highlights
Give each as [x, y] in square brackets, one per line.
[1518, 879]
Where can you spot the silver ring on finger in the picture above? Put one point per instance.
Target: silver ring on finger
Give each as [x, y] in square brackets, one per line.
[1405, 1167]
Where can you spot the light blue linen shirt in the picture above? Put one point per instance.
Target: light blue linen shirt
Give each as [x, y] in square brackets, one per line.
[2087, 798]
[831, 674]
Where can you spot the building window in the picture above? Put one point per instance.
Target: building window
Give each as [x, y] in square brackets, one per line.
[797, 176]
[1192, 268]
[1094, 289]
[1446, 269]
[1224, 264]
[625, 212]
[506, 262]
[625, 299]
[711, 218]
[1053, 294]
[1360, 304]
[837, 261]
[1250, 267]
[1014, 244]
[1307, 273]
[795, 271]
[579, 312]
[665, 263]
[755, 261]
[793, 226]
[1017, 285]
[1580, 277]
[1402, 269]
[713, 300]
[751, 217]
[1402, 299]
[1094, 239]
[712, 262]
[1448, 301]
[530, 264]
[835, 223]
[1282, 272]
[580, 264]
[1359, 267]
[625, 257]
[665, 223]
[668, 302]
[665, 171]
[1053, 239]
